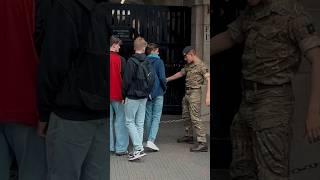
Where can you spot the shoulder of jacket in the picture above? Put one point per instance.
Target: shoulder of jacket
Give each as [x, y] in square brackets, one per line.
[133, 60]
[130, 59]
[289, 8]
[204, 64]
[72, 8]
[88, 4]
[161, 61]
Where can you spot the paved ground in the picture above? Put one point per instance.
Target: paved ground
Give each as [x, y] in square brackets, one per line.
[174, 161]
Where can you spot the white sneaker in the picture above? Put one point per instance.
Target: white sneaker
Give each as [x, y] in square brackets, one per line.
[152, 146]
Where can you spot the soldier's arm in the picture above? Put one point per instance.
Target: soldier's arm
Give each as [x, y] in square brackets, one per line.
[208, 89]
[302, 32]
[175, 76]
[313, 117]
[221, 42]
[225, 40]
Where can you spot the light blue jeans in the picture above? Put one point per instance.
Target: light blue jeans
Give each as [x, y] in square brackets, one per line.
[135, 111]
[119, 137]
[153, 115]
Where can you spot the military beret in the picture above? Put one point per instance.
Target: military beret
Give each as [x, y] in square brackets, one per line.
[187, 49]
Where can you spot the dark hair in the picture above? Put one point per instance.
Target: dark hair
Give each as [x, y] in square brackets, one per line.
[115, 40]
[151, 47]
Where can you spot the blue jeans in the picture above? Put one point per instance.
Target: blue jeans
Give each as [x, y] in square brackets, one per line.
[135, 110]
[153, 115]
[118, 128]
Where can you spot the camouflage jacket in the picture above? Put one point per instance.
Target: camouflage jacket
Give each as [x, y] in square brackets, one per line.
[275, 35]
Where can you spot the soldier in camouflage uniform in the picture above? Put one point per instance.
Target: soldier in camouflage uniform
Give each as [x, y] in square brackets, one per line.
[196, 73]
[275, 34]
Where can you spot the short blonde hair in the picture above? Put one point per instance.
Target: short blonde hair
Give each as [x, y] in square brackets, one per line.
[139, 44]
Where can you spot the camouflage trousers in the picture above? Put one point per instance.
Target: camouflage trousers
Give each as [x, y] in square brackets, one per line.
[191, 113]
[261, 135]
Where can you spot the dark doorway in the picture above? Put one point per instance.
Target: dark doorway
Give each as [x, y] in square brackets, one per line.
[226, 85]
[168, 26]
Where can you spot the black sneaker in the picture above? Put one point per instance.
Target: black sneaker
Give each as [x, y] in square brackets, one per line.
[136, 155]
[130, 154]
[185, 139]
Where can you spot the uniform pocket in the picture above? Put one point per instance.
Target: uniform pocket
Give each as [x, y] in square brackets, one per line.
[269, 32]
[273, 108]
[269, 41]
[53, 125]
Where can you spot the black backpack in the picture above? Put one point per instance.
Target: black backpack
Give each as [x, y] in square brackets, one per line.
[145, 76]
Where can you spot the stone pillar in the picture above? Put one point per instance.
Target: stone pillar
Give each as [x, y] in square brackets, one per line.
[200, 32]
[200, 39]
[200, 27]
[304, 165]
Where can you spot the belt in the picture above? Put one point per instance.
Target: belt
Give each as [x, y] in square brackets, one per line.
[251, 85]
[188, 88]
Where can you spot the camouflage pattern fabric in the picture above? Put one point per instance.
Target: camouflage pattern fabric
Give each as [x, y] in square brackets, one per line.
[196, 74]
[191, 108]
[275, 36]
[261, 135]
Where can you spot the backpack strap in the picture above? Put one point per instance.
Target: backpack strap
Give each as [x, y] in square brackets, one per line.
[135, 60]
[88, 4]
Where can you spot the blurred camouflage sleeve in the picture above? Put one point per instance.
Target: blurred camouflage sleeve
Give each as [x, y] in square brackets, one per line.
[183, 71]
[303, 32]
[205, 71]
[235, 30]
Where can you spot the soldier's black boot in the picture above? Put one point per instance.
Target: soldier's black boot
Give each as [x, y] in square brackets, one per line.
[201, 147]
[185, 139]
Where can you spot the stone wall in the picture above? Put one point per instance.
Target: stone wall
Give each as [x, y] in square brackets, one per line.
[305, 158]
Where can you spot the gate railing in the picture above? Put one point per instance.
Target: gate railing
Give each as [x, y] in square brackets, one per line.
[168, 26]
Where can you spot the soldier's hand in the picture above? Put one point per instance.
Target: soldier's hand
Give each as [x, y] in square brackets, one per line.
[42, 129]
[312, 130]
[208, 101]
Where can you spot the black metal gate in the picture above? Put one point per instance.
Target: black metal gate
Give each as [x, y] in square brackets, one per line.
[168, 26]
